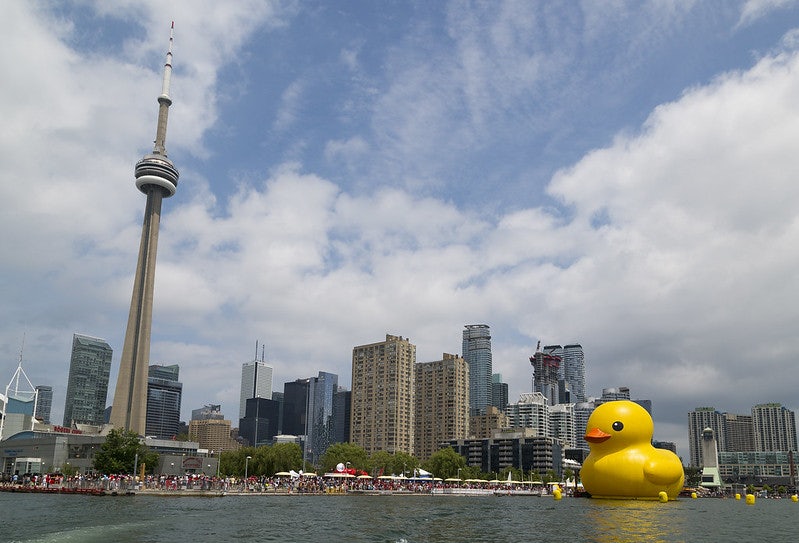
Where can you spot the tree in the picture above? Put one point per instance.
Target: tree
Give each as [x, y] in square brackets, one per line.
[119, 452]
[285, 457]
[445, 463]
[382, 463]
[693, 475]
[341, 453]
[403, 462]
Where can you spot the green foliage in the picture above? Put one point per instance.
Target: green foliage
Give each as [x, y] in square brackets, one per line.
[693, 475]
[119, 452]
[444, 463]
[264, 460]
[403, 462]
[343, 453]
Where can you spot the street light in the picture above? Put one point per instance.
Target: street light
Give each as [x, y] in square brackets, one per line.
[459, 474]
[246, 466]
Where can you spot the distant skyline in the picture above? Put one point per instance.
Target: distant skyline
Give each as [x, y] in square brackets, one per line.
[622, 175]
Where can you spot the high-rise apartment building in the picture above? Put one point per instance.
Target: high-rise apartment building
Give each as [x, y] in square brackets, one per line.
[44, 403]
[256, 382]
[546, 366]
[321, 391]
[572, 370]
[383, 389]
[484, 426]
[87, 387]
[774, 427]
[562, 424]
[699, 419]
[582, 411]
[531, 411]
[164, 393]
[442, 403]
[739, 433]
[477, 353]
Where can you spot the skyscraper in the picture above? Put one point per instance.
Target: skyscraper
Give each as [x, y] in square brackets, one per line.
[256, 382]
[499, 392]
[87, 388]
[320, 415]
[156, 177]
[546, 366]
[442, 403]
[295, 407]
[259, 426]
[44, 403]
[477, 353]
[739, 433]
[164, 393]
[698, 420]
[774, 427]
[342, 402]
[382, 417]
[572, 370]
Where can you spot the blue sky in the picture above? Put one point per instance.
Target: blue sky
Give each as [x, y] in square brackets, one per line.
[619, 174]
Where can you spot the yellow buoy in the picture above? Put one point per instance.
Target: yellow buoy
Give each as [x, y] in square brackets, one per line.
[750, 499]
[737, 496]
[693, 495]
[557, 494]
[795, 498]
[663, 497]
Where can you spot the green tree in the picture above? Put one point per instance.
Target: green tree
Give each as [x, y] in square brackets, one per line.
[404, 462]
[382, 463]
[119, 452]
[285, 457]
[693, 475]
[445, 463]
[341, 453]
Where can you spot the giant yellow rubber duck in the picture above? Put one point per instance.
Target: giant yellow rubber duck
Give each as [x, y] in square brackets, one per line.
[623, 463]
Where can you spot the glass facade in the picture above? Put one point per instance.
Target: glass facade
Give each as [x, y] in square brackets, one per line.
[477, 353]
[87, 388]
[164, 394]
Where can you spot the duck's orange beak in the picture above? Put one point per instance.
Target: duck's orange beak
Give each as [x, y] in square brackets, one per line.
[595, 435]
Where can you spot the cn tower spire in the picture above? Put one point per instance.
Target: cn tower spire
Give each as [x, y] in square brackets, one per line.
[157, 178]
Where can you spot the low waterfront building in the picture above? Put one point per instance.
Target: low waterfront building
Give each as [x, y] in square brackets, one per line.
[518, 449]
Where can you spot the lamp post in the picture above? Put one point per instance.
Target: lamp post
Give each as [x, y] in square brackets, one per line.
[246, 466]
[459, 475]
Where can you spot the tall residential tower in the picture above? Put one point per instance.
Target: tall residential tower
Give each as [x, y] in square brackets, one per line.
[156, 177]
[477, 353]
[382, 416]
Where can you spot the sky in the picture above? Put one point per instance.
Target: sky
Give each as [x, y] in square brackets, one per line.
[621, 175]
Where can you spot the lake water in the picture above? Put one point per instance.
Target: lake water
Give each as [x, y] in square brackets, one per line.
[411, 519]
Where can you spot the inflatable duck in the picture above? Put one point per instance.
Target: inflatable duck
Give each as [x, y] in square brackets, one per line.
[623, 463]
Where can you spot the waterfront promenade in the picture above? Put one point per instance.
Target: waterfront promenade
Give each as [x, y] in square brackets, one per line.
[204, 485]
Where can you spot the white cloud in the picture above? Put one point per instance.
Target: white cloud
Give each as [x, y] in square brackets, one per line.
[671, 256]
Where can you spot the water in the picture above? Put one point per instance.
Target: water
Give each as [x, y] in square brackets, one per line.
[393, 519]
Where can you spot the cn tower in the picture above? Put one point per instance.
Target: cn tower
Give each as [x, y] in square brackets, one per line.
[157, 178]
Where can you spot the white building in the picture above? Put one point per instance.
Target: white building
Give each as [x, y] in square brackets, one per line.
[256, 382]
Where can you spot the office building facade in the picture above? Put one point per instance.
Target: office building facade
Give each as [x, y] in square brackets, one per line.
[572, 370]
[319, 437]
[383, 391]
[44, 403]
[164, 393]
[87, 387]
[256, 382]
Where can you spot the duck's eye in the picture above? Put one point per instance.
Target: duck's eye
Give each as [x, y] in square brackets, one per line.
[618, 426]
